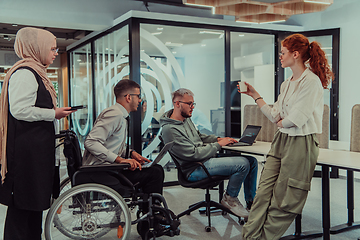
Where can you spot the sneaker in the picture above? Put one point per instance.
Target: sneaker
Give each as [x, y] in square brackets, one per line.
[234, 205]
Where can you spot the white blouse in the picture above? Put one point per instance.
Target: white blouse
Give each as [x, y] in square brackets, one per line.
[300, 105]
[22, 97]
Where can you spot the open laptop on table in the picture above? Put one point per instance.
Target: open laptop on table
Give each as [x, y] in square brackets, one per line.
[159, 156]
[248, 136]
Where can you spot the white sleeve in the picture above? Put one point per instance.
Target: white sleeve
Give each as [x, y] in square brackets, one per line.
[22, 97]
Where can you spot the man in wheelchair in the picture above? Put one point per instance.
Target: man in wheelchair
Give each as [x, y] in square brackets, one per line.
[106, 144]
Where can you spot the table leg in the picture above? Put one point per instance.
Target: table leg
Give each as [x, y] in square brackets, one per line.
[298, 234]
[326, 202]
[350, 205]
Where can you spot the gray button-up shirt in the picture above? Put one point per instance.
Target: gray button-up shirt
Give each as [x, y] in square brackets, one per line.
[107, 139]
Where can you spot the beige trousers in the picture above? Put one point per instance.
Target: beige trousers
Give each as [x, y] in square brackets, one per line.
[283, 187]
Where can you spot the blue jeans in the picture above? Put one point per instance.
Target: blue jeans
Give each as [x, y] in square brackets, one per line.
[241, 169]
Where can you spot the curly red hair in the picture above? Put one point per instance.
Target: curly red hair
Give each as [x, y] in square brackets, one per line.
[312, 52]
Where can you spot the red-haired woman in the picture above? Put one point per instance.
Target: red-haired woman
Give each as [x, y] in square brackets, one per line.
[285, 180]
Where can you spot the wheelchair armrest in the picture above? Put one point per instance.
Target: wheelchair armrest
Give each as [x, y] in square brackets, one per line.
[104, 167]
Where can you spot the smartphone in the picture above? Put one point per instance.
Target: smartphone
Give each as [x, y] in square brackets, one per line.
[78, 107]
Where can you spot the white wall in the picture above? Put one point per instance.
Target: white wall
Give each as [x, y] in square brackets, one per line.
[204, 71]
[343, 14]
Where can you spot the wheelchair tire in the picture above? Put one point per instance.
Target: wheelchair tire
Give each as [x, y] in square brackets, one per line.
[88, 211]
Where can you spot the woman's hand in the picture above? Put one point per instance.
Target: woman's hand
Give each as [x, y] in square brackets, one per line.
[279, 124]
[250, 91]
[63, 112]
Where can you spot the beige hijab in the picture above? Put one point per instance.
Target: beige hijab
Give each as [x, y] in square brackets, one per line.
[33, 46]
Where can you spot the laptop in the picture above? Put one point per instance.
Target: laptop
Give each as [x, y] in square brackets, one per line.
[248, 137]
[159, 156]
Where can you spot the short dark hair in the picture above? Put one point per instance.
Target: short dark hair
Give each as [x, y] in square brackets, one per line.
[124, 87]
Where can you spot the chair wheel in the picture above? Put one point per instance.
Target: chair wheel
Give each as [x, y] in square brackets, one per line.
[208, 229]
[241, 221]
[223, 213]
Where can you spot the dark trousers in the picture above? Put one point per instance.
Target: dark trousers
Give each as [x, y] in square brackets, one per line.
[150, 180]
[22, 224]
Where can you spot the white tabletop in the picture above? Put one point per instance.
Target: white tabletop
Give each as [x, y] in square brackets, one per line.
[334, 158]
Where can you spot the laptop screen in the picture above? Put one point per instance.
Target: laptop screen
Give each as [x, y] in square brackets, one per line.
[250, 133]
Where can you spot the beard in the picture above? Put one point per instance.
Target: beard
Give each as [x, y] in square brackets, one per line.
[185, 115]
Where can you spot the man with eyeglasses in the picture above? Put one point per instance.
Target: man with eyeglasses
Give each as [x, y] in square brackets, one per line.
[107, 143]
[191, 146]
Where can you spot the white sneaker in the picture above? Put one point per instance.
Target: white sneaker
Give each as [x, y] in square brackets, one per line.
[235, 206]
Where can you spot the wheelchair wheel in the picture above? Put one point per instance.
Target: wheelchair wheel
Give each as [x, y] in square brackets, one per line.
[88, 211]
[64, 186]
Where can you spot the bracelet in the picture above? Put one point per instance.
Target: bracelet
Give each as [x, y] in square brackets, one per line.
[258, 99]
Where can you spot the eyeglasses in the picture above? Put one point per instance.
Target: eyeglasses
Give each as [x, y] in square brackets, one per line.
[55, 50]
[133, 94]
[191, 104]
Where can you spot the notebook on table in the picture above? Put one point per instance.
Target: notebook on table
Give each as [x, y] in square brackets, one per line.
[248, 137]
[159, 156]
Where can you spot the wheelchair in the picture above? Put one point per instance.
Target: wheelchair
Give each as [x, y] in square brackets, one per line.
[88, 210]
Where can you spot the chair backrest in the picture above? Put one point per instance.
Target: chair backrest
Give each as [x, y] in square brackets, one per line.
[72, 152]
[324, 137]
[254, 116]
[355, 129]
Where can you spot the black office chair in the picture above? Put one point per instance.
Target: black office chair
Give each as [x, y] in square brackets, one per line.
[208, 183]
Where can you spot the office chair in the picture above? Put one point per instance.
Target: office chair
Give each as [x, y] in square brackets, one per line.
[208, 183]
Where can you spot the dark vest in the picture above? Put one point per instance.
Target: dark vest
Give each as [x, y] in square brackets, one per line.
[30, 153]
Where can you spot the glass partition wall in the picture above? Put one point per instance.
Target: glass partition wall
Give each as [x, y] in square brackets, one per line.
[81, 91]
[171, 56]
[163, 56]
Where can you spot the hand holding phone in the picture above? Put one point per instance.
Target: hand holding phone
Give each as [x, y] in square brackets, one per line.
[78, 107]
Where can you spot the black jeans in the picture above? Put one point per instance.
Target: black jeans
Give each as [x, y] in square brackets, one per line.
[22, 224]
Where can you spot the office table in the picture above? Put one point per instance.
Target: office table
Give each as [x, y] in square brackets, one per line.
[347, 160]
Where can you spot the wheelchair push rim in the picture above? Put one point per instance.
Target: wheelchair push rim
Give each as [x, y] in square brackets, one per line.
[88, 211]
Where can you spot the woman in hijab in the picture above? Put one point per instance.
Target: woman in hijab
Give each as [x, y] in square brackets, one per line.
[28, 112]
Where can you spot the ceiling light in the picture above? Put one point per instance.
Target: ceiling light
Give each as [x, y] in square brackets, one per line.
[211, 32]
[199, 5]
[156, 33]
[173, 52]
[239, 21]
[317, 2]
[203, 45]
[159, 28]
[241, 35]
[276, 21]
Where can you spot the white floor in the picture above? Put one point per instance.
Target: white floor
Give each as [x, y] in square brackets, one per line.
[227, 227]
